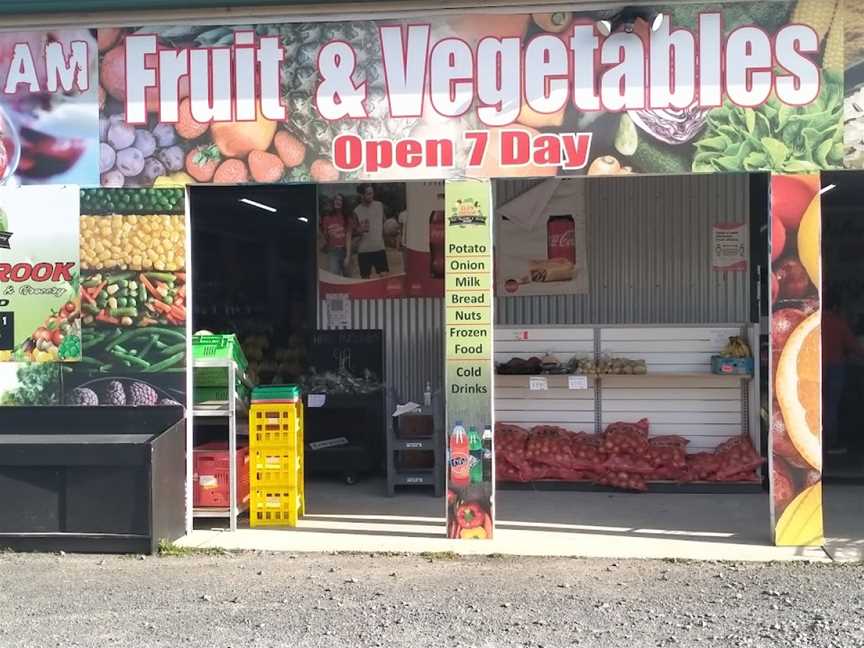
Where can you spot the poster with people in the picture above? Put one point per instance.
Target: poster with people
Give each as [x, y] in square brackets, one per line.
[380, 240]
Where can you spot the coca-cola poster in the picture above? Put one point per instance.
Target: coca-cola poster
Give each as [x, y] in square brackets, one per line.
[379, 240]
[541, 241]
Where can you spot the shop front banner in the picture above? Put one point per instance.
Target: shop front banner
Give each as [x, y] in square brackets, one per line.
[40, 318]
[468, 358]
[714, 88]
[541, 247]
[796, 362]
[379, 240]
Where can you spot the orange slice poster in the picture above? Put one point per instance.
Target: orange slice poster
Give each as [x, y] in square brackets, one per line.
[796, 361]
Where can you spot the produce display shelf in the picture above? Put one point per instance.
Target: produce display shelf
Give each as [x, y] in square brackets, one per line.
[219, 408]
[690, 488]
[558, 380]
[217, 511]
[228, 410]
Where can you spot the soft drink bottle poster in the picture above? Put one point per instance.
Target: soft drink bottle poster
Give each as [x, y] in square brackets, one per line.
[541, 238]
[469, 303]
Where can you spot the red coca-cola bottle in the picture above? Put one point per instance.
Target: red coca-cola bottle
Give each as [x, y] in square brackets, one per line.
[561, 238]
[436, 243]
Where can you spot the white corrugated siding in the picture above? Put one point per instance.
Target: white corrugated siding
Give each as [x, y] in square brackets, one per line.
[649, 255]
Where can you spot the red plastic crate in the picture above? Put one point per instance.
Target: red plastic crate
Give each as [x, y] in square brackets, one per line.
[210, 478]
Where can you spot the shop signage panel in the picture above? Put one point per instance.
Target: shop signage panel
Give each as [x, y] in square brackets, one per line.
[715, 88]
[406, 99]
[40, 317]
[796, 433]
[468, 361]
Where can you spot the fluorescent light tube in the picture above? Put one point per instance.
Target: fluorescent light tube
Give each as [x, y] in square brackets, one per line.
[259, 205]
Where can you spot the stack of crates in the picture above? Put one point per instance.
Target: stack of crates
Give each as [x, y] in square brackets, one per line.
[278, 496]
[211, 383]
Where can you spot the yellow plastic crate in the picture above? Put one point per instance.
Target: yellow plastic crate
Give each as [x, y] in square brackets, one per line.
[280, 506]
[271, 466]
[276, 425]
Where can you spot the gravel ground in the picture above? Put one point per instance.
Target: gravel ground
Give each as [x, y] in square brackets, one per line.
[239, 600]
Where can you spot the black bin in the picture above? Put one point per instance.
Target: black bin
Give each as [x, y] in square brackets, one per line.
[91, 479]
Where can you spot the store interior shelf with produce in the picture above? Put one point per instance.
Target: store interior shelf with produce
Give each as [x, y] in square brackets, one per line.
[674, 423]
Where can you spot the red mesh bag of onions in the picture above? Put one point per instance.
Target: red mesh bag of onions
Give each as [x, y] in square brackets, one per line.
[510, 443]
[623, 437]
[624, 481]
[549, 445]
[735, 457]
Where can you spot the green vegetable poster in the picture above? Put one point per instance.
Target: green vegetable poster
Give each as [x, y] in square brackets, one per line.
[133, 299]
[468, 301]
[40, 318]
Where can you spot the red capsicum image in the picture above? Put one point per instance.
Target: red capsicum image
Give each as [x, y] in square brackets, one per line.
[470, 515]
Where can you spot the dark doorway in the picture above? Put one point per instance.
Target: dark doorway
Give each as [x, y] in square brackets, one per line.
[253, 264]
[843, 324]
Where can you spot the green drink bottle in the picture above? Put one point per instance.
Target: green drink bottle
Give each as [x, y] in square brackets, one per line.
[475, 459]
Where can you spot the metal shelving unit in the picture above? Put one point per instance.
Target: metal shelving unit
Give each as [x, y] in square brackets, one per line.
[434, 476]
[214, 412]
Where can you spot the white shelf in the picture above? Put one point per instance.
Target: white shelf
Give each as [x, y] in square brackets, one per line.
[217, 511]
[229, 410]
[219, 408]
[561, 380]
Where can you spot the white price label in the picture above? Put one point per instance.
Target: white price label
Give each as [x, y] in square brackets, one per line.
[520, 335]
[538, 383]
[718, 337]
[577, 382]
[316, 400]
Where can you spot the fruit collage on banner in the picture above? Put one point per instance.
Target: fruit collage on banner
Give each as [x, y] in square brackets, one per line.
[159, 153]
[796, 425]
[133, 299]
[290, 137]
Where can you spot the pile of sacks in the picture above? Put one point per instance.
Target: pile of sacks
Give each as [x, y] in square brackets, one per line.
[623, 456]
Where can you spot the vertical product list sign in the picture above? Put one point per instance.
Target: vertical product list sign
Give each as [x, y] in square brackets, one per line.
[468, 301]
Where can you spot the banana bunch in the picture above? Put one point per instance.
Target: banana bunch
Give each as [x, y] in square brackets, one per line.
[736, 348]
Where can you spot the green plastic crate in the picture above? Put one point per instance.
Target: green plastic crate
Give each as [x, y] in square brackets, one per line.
[206, 394]
[276, 393]
[209, 347]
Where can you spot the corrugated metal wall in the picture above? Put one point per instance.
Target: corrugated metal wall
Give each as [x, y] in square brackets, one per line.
[649, 262]
[649, 254]
[413, 341]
